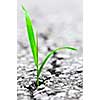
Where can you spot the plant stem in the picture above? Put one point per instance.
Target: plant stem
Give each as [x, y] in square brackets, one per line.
[37, 82]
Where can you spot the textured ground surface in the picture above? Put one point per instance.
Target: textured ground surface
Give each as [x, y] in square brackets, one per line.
[59, 23]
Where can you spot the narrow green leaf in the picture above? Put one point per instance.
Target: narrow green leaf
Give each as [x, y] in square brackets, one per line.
[31, 35]
[50, 54]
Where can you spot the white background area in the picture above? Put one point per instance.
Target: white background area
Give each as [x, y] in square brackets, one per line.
[63, 17]
[8, 46]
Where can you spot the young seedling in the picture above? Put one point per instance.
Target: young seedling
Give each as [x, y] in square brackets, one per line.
[33, 40]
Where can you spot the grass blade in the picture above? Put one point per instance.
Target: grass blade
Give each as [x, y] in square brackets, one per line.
[37, 47]
[50, 54]
[31, 35]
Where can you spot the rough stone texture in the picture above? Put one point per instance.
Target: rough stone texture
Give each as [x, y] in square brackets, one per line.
[61, 78]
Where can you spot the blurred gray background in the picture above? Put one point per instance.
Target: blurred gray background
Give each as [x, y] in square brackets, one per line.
[61, 20]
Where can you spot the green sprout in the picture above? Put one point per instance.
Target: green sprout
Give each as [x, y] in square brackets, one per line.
[33, 40]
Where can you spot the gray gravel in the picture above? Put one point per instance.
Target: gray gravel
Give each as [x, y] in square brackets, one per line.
[61, 77]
